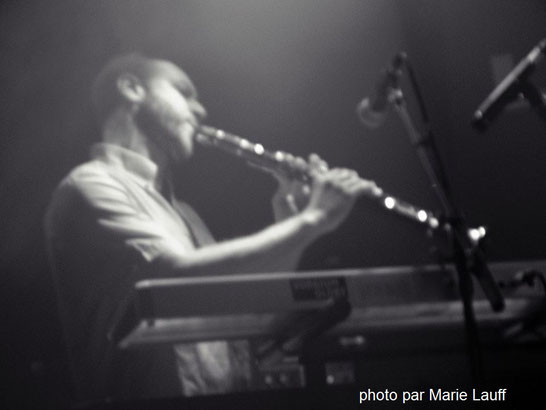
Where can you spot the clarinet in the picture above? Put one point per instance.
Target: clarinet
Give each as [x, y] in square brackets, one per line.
[281, 162]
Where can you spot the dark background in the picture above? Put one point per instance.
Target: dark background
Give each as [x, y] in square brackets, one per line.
[287, 74]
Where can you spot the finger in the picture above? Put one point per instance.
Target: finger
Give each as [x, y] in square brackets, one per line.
[294, 162]
[343, 174]
[299, 163]
[292, 186]
[363, 187]
[351, 177]
[347, 173]
[317, 164]
[291, 202]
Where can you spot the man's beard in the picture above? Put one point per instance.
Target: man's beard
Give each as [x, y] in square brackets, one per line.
[166, 130]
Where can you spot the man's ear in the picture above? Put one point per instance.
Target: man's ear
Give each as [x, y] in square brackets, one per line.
[130, 87]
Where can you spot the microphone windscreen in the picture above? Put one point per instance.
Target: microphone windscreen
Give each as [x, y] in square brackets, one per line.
[369, 117]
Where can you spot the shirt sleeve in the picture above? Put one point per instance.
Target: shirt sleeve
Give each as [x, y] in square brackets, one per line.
[119, 221]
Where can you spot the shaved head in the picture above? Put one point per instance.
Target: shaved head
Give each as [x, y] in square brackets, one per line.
[105, 95]
[155, 95]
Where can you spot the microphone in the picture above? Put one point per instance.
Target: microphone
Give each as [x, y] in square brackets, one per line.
[372, 110]
[508, 89]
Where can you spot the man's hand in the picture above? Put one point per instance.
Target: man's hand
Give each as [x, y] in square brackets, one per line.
[333, 194]
[327, 198]
[292, 195]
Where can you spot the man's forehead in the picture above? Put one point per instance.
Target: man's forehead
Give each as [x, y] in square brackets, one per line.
[173, 73]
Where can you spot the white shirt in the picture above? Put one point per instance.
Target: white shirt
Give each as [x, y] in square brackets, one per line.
[106, 228]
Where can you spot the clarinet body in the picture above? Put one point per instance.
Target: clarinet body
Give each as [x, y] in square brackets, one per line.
[253, 153]
[279, 161]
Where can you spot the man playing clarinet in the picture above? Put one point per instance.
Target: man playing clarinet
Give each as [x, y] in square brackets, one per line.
[115, 220]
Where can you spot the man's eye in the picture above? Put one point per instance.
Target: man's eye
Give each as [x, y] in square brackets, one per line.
[186, 92]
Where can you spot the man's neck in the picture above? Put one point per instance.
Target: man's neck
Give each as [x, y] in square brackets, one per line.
[121, 129]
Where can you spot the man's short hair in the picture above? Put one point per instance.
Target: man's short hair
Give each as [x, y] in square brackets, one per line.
[105, 96]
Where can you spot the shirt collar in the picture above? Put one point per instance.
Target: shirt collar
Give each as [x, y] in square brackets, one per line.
[144, 169]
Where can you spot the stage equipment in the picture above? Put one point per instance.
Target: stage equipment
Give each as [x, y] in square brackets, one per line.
[515, 85]
[416, 301]
[328, 328]
[467, 254]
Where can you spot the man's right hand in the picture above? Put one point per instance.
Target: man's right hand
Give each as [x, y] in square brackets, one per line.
[333, 194]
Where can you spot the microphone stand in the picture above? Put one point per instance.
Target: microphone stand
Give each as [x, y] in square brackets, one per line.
[468, 257]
